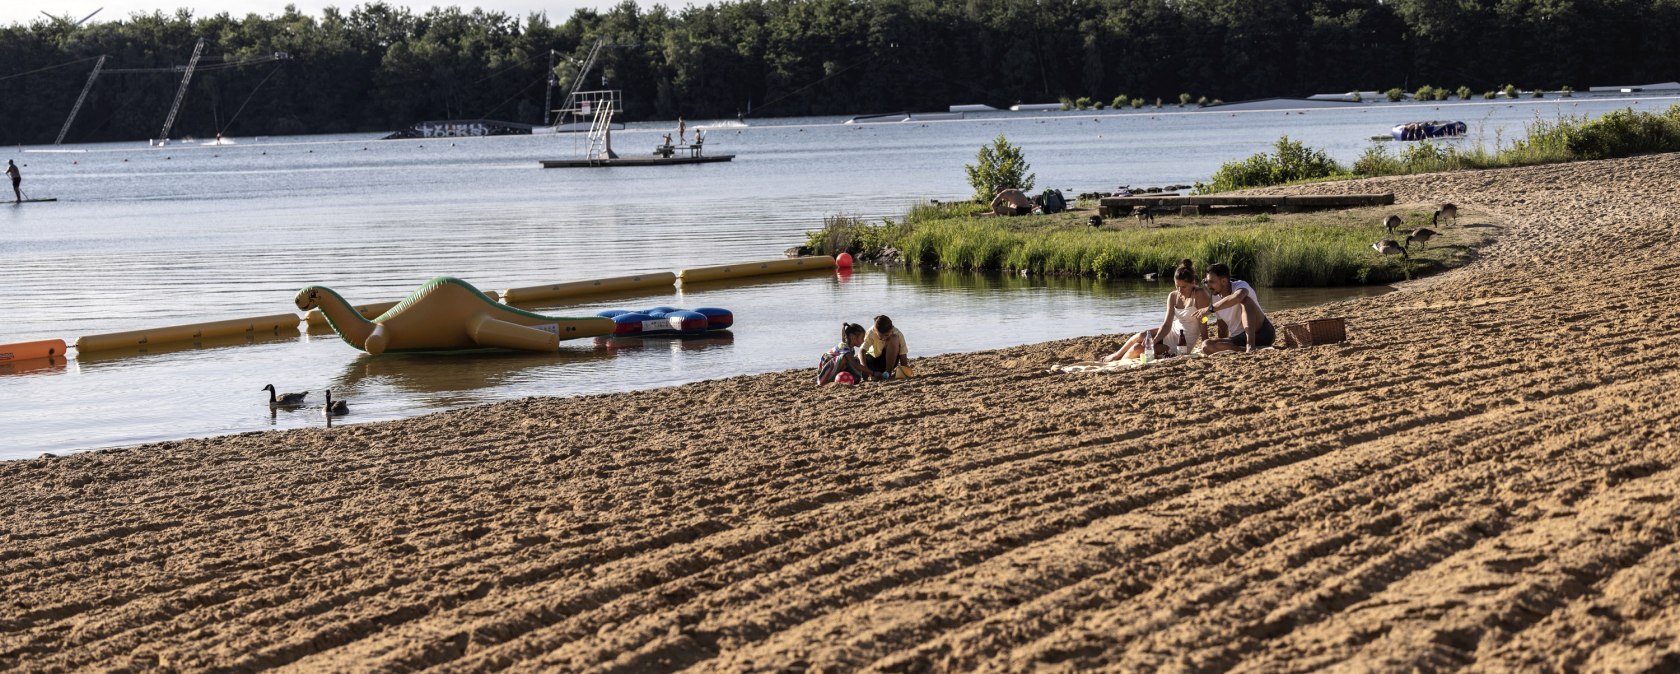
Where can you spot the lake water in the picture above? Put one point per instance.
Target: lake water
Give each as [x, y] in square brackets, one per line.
[148, 237]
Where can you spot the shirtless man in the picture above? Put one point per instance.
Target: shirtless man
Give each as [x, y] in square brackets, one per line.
[17, 179]
[1011, 201]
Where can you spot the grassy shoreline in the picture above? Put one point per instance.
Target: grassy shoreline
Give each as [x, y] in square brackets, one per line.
[1321, 249]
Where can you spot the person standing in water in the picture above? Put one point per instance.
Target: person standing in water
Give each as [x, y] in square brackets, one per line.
[17, 180]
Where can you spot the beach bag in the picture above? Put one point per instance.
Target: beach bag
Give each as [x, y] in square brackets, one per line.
[1052, 201]
[832, 364]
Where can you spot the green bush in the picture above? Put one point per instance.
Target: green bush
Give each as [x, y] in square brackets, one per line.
[1120, 101]
[1067, 103]
[1510, 91]
[1566, 91]
[1292, 162]
[1083, 103]
[1395, 94]
[1202, 102]
[1137, 103]
[1357, 98]
[1442, 94]
[1464, 93]
[998, 166]
[1539, 93]
[1183, 100]
[1490, 95]
[1424, 93]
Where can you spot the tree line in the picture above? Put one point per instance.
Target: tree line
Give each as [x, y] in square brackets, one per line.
[380, 67]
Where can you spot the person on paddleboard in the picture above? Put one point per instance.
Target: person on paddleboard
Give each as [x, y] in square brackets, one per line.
[17, 180]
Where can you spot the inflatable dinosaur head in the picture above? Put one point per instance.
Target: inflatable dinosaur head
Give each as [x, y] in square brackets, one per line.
[309, 298]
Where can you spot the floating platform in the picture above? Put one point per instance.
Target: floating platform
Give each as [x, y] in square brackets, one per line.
[633, 161]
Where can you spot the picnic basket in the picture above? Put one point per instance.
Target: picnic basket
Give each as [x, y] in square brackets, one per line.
[1315, 332]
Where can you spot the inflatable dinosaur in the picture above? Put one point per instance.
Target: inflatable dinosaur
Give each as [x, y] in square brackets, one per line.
[448, 314]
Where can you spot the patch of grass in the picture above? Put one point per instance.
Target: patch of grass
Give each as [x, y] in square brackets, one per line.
[1298, 249]
[1291, 162]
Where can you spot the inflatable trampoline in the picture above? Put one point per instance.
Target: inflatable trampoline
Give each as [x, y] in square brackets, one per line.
[667, 321]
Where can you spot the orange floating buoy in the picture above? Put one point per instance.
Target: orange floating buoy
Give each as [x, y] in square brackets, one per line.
[844, 261]
[46, 348]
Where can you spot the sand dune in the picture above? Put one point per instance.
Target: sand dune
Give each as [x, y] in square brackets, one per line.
[1484, 477]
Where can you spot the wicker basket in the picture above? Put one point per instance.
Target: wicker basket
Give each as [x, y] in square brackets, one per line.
[1315, 332]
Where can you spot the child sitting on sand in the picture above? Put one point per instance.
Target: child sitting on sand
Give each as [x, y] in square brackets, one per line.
[843, 360]
[883, 347]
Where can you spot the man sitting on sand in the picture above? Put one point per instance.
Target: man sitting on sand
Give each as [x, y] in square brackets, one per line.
[1237, 305]
[1011, 201]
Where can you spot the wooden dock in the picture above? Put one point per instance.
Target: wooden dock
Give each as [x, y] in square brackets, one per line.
[634, 161]
[1193, 205]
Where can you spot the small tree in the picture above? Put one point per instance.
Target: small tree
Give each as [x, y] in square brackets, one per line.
[1137, 103]
[1464, 93]
[1395, 94]
[1183, 100]
[1442, 94]
[1510, 91]
[1067, 103]
[1083, 102]
[1120, 101]
[1425, 93]
[999, 166]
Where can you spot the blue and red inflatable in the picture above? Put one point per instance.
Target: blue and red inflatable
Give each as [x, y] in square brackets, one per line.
[668, 321]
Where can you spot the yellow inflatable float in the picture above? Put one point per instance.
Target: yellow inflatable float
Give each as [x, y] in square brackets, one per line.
[448, 314]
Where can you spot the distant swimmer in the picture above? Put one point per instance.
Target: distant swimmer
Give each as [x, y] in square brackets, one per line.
[17, 180]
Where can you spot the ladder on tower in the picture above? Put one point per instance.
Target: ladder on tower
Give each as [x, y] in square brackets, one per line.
[600, 132]
[181, 93]
[78, 106]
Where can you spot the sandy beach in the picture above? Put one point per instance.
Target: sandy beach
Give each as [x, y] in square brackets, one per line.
[1483, 477]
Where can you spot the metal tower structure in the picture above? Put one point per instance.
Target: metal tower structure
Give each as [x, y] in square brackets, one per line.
[78, 107]
[181, 93]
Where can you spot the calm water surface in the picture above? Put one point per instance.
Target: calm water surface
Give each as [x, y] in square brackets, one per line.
[147, 237]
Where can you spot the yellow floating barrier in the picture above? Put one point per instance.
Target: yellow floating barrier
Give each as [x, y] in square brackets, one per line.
[185, 333]
[46, 348]
[592, 287]
[743, 269]
[317, 319]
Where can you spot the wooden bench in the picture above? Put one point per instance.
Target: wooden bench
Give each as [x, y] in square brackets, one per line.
[1283, 203]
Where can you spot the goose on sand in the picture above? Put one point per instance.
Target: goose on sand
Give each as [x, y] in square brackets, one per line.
[1422, 235]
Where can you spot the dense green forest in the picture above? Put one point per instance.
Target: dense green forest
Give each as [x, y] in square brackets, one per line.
[380, 67]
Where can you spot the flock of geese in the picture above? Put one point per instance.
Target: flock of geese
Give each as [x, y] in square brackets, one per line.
[332, 408]
[1422, 235]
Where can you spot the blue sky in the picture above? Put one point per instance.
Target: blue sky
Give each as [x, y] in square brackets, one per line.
[24, 11]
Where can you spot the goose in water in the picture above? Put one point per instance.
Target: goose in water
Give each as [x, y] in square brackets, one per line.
[1448, 211]
[335, 408]
[1390, 247]
[1393, 221]
[1422, 235]
[284, 399]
